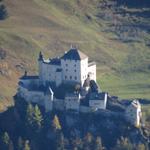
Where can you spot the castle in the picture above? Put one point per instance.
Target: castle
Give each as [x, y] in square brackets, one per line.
[68, 83]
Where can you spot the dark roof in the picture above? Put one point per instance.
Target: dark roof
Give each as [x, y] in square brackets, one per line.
[54, 61]
[74, 54]
[94, 86]
[29, 77]
[86, 82]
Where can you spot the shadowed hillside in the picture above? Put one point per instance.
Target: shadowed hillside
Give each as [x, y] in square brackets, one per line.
[113, 33]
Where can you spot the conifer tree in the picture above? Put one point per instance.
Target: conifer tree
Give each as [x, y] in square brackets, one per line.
[88, 139]
[98, 144]
[26, 145]
[123, 144]
[29, 115]
[5, 141]
[55, 123]
[60, 142]
[37, 117]
[20, 143]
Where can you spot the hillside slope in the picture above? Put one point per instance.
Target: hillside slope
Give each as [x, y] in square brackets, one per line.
[116, 35]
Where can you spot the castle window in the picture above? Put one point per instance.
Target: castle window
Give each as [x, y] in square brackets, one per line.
[70, 77]
[66, 70]
[66, 64]
[75, 78]
[75, 65]
[75, 70]
[65, 77]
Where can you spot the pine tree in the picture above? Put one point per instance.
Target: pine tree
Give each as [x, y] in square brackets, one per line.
[88, 139]
[34, 117]
[98, 144]
[123, 144]
[60, 142]
[5, 141]
[20, 144]
[37, 117]
[26, 145]
[29, 115]
[55, 123]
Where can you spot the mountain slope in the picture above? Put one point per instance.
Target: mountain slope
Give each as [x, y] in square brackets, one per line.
[103, 29]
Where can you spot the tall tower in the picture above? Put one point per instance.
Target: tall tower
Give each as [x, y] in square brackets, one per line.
[40, 63]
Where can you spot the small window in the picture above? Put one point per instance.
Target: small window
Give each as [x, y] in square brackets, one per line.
[75, 70]
[70, 77]
[75, 78]
[75, 65]
[65, 77]
[66, 64]
[66, 70]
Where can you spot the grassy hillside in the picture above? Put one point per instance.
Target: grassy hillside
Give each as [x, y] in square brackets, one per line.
[116, 35]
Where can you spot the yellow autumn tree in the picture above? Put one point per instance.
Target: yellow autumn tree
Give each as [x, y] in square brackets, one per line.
[55, 123]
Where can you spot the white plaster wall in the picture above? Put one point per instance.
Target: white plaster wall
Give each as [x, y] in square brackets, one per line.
[84, 70]
[49, 72]
[85, 109]
[58, 78]
[92, 72]
[133, 115]
[58, 104]
[71, 70]
[72, 103]
[48, 103]
[40, 67]
[98, 104]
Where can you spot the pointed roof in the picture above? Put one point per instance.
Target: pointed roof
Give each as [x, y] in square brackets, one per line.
[74, 54]
[40, 56]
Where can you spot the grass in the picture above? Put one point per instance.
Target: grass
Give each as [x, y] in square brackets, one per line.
[131, 85]
[52, 26]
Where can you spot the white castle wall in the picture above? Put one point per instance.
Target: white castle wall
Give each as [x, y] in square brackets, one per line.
[71, 70]
[84, 70]
[37, 97]
[72, 102]
[133, 114]
[98, 104]
[58, 78]
[59, 104]
[85, 109]
[47, 72]
[92, 72]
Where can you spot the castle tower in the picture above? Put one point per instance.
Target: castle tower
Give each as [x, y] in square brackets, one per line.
[133, 113]
[75, 66]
